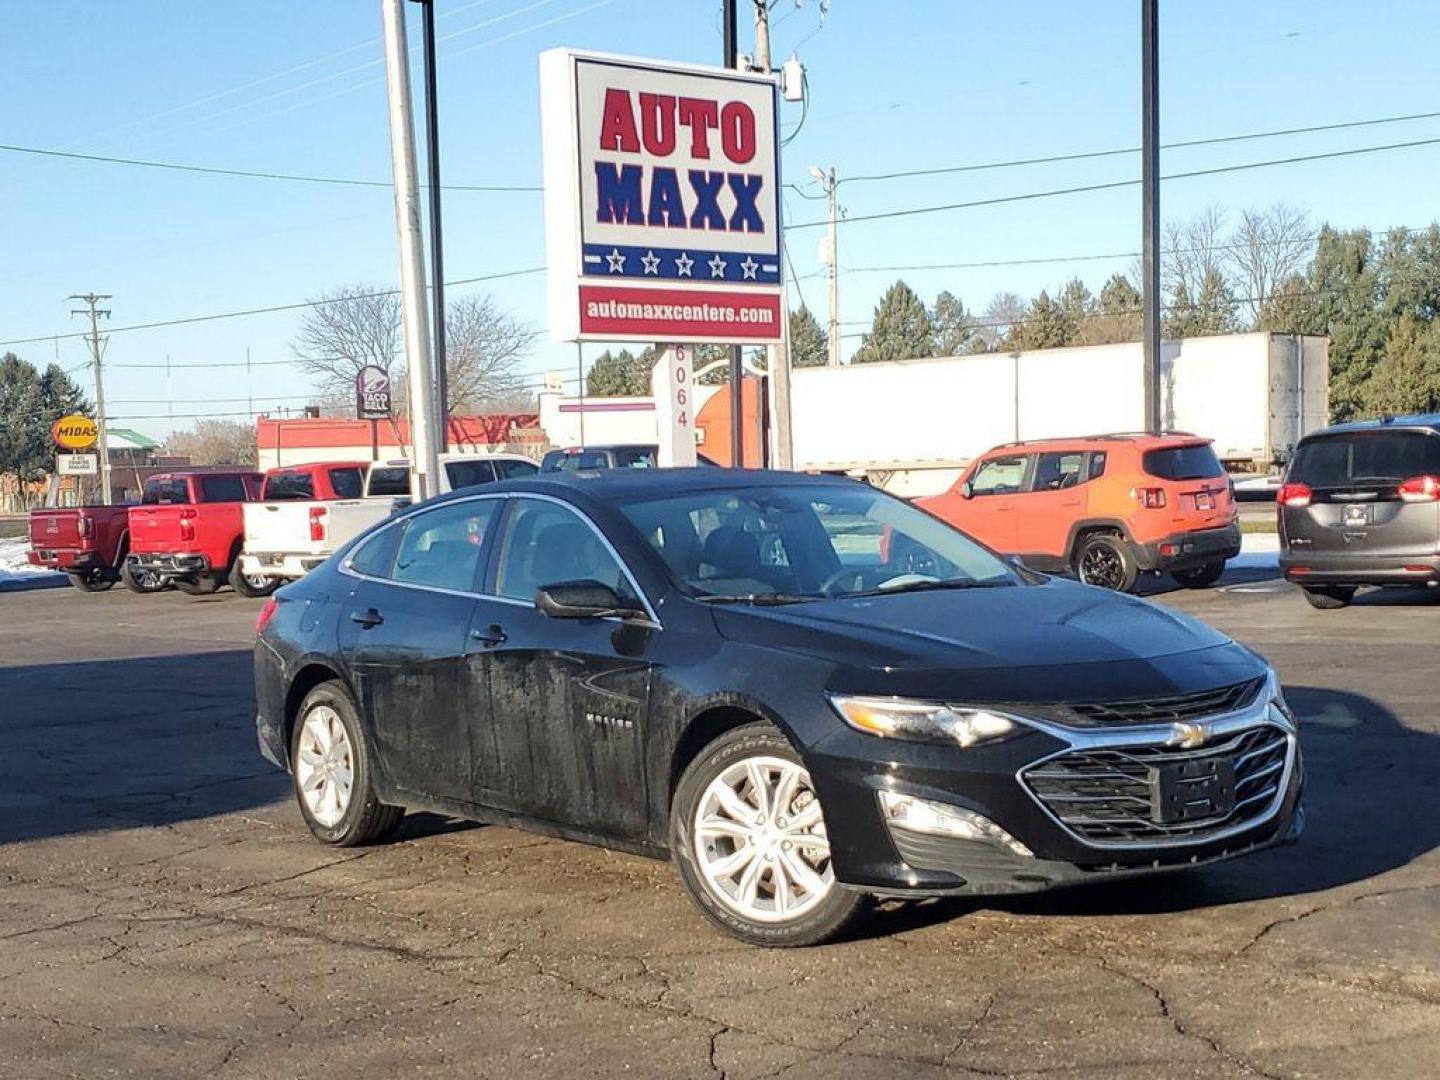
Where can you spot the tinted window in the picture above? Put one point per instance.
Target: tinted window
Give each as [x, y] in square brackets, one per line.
[544, 543]
[1183, 463]
[347, 483]
[442, 547]
[635, 457]
[376, 556]
[1056, 471]
[805, 541]
[1337, 460]
[998, 476]
[469, 473]
[390, 480]
[591, 459]
[222, 489]
[508, 470]
[552, 461]
[289, 485]
[159, 490]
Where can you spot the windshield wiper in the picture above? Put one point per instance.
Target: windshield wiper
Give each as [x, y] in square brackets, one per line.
[758, 599]
[928, 586]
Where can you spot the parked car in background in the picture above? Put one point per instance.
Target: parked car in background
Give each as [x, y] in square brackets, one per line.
[90, 544]
[189, 527]
[626, 456]
[736, 669]
[1108, 507]
[1361, 506]
[307, 511]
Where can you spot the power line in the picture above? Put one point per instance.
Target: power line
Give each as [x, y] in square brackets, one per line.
[1114, 184]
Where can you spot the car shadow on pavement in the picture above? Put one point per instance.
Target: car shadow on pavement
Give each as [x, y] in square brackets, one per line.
[1369, 809]
[31, 582]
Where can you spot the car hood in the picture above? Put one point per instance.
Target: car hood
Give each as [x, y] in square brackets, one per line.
[1008, 643]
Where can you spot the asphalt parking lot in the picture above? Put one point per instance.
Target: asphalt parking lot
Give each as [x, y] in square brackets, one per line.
[163, 911]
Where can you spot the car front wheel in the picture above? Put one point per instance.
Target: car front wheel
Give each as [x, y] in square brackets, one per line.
[331, 766]
[748, 836]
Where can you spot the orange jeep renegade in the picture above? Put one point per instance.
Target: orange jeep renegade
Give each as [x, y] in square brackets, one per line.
[1108, 507]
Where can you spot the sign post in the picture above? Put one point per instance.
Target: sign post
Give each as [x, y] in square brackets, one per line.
[672, 381]
[662, 202]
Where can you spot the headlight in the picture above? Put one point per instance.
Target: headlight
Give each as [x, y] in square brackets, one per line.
[923, 721]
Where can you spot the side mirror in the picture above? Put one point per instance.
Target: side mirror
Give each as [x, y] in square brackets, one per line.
[967, 490]
[583, 600]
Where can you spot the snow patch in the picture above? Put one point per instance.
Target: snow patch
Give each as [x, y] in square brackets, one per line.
[13, 564]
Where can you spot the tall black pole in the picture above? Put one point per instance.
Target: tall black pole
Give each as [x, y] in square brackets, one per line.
[437, 256]
[1150, 204]
[737, 369]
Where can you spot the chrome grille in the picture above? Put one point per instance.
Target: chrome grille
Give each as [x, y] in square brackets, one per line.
[1135, 795]
[1163, 710]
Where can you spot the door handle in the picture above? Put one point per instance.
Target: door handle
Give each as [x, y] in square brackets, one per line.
[492, 635]
[367, 618]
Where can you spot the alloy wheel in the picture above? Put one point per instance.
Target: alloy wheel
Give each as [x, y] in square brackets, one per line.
[760, 840]
[1100, 565]
[324, 766]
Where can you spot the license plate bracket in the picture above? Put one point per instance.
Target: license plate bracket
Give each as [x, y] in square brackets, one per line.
[1193, 790]
[1356, 514]
[1204, 500]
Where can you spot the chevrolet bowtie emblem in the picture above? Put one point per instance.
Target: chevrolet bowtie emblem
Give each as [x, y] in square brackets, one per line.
[1188, 736]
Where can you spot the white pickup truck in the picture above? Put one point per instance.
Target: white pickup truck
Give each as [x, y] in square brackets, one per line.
[308, 511]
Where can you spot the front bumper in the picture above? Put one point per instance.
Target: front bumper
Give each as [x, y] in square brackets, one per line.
[1307, 568]
[876, 855]
[171, 564]
[1184, 550]
[278, 564]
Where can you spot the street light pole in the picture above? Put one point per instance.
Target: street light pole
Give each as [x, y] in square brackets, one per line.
[437, 253]
[1150, 206]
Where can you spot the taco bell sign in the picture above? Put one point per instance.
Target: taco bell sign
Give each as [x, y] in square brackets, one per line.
[662, 201]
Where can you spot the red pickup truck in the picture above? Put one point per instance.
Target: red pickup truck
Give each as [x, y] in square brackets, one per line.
[189, 528]
[90, 544]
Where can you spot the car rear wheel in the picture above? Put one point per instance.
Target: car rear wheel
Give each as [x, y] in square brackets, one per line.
[1200, 577]
[200, 585]
[251, 584]
[141, 581]
[1329, 597]
[331, 767]
[747, 833]
[90, 580]
[1106, 561]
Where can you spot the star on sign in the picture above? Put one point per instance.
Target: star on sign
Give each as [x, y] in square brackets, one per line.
[749, 266]
[616, 261]
[651, 262]
[683, 263]
[717, 266]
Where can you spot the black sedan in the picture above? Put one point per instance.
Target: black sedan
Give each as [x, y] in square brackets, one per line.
[803, 690]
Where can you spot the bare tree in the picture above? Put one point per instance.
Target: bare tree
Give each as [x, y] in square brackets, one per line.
[1191, 250]
[215, 442]
[345, 330]
[999, 321]
[1267, 248]
[485, 346]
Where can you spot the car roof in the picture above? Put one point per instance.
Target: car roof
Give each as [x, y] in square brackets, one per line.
[605, 485]
[1140, 440]
[1411, 422]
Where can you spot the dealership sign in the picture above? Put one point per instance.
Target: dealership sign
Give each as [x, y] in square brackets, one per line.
[372, 393]
[662, 201]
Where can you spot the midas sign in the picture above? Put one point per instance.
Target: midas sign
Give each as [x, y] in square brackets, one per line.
[661, 200]
[75, 432]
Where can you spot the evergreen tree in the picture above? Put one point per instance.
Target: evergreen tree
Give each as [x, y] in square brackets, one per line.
[900, 330]
[25, 447]
[621, 374]
[60, 396]
[1210, 312]
[808, 344]
[954, 328]
[1047, 326]
[1407, 378]
[1116, 316]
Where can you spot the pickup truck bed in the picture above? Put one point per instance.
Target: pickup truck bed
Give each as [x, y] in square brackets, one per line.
[89, 543]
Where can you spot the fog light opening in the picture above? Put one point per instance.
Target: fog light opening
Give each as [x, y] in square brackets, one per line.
[918, 815]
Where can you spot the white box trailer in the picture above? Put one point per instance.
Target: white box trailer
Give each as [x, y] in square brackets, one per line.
[911, 426]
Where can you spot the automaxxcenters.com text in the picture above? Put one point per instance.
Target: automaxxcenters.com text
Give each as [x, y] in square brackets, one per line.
[687, 313]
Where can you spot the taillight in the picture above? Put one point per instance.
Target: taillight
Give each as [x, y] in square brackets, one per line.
[187, 524]
[1151, 498]
[266, 614]
[1420, 489]
[1294, 495]
[87, 527]
[317, 522]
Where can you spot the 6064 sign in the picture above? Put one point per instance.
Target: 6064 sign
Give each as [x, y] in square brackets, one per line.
[372, 394]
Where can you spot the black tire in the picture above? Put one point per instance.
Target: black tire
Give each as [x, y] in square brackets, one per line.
[366, 819]
[242, 585]
[1329, 597]
[1107, 562]
[141, 581]
[200, 585]
[1200, 577]
[90, 581]
[821, 923]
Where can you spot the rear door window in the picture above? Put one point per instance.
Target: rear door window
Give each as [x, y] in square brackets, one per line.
[1056, 471]
[464, 474]
[376, 556]
[1197, 462]
[509, 470]
[215, 489]
[347, 482]
[1360, 457]
[442, 548]
[280, 487]
[998, 476]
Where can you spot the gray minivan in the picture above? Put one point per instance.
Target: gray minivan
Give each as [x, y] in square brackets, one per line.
[1361, 506]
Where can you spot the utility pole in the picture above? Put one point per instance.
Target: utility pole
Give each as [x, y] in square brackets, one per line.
[777, 356]
[96, 349]
[437, 254]
[426, 466]
[730, 21]
[1150, 205]
[832, 252]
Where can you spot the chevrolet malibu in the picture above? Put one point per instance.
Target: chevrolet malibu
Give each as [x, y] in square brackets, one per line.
[805, 692]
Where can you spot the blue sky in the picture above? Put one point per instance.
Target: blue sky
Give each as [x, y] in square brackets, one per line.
[296, 87]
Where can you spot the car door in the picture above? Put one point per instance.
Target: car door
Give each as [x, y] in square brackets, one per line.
[405, 634]
[993, 494]
[1053, 500]
[573, 692]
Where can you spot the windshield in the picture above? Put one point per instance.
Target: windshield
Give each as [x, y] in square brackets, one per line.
[1197, 462]
[1337, 460]
[806, 542]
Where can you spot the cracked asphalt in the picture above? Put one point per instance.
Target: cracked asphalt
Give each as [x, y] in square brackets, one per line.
[163, 911]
